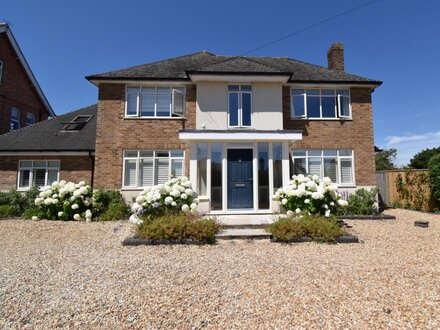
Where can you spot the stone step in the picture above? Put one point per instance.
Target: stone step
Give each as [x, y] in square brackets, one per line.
[243, 234]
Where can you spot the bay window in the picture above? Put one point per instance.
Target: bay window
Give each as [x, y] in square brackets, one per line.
[320, 103]
[332, 163]
[162, 102]
[37, 173]
[145, 168]
[240, 105]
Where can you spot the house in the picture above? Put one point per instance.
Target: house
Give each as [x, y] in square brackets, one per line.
[22, 102]
[238, 126]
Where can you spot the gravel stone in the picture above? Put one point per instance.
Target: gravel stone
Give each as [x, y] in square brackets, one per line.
[77, 275]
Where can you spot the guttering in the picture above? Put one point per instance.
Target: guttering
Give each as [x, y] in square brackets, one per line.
[92, 158]
[46, 153]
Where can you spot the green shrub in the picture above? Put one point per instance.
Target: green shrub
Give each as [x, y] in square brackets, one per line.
[103, 199]
[115, 211]
[18, 201]
[7, 211]
[317, 227]
[362, 202]
[30, 212]
[175, 227]
[434, 176]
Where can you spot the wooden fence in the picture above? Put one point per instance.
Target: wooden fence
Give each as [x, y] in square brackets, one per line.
[405, 188]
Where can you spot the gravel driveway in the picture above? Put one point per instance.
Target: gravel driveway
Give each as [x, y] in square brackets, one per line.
[77, 275]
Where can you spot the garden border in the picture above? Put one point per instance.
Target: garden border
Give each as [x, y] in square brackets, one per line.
[366, 217]
[306, 239]
[137, 241]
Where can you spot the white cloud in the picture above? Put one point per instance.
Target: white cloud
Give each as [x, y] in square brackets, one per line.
[410, 144]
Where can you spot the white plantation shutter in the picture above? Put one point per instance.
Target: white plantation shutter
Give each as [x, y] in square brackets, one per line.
[146, 172]
[346, 171]
[162, 170]
[176, 167]
[330, 168]
[315, 166]
[130, 173]
[300, 166]
[40, 178]
[24, 178]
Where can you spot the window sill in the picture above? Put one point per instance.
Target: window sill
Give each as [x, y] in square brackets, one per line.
[321, 119]
[154, 118]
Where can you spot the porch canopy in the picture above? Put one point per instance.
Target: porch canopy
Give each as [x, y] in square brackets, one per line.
[240, 135]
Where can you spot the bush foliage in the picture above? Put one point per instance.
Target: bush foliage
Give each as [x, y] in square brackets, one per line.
[434, 176]
[362, 202]
[19, 202]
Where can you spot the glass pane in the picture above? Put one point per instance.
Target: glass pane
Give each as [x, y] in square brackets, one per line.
[30, 119]
[299, 166]
[298, 106]
[148, 90]
[328, 107]
[131, 153]
[233, 109]
[176, 168]
[298, 152]
[163, 90]
[330, 168]
[202, 155]
[25, 163]
[216, 176]
[163, 105]
[24, 178]
[145, 153]
[345, 152]
[312, 91]
[130, 173]
[147, 105]
[246, 109]
[14, 124]
[162, 153]
[263, 175]
[53, 163]
[179, 103]
[146, 172]
[343, 92]
[277, 165]
[176, 153]
[133, 90]
[313, 107]
[345, 106]
[315, 152]
[52, 176]
[246, 88]
[346, 171]
[40, 163]
[330, 152]
[162, 170]
[233, 88]
[327, 92]
[315, 166]
[297, 91]
[131, 104]
[15, 113]
[39, 178]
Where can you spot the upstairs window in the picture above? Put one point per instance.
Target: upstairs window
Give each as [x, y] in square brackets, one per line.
[30, 119]
[37, 173]
[77, 123]
[15, 119]
[320, 103]
[240, 105]
[161, 102]
[1, 71]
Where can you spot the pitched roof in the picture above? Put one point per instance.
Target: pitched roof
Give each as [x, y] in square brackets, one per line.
[179, 68]
[4, 28]
[49, 135]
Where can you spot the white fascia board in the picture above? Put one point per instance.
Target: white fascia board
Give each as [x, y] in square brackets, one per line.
[27, 68]
[330, 85]
[244, 136]
[240, 78]
[45, 153]
[142, 82]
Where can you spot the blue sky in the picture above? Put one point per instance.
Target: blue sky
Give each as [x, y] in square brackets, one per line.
[393, 41]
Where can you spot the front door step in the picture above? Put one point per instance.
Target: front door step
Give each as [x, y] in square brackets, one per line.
[243, 234]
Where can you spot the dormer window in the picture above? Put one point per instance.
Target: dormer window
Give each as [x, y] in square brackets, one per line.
[240, 105]
[320, 104]
[77, 123]
[150, 102]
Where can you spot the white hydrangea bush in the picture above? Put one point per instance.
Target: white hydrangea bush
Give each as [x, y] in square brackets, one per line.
[310, 195]
[65, 201]
[175, 195]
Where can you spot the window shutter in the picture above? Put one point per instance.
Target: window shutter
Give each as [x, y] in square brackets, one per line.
[346, 171]
[330, 168]
[178, 103]
[40, 178]
[315, 166]
[130, 173]
[146, 172]
[162, 171]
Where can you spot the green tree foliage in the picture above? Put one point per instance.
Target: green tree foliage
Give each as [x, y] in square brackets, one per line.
[421, 159]
[385, 159]
[434, 175]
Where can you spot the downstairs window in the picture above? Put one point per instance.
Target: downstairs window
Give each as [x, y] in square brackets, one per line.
[37, 173]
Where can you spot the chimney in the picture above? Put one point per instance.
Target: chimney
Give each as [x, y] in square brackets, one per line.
[335, 57]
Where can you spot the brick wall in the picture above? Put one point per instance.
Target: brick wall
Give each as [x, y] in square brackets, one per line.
[115, 133]
[356, 134]
[16, 89]
[73, 168]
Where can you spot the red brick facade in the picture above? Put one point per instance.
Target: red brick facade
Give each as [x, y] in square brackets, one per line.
[16, 89]
[356, 134]
[114, 133]
[73, 168]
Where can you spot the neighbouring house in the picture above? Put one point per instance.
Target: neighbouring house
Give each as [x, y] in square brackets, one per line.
[22, 102]
[238, 126]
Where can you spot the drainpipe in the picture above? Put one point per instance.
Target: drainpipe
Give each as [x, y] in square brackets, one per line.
[93, 168]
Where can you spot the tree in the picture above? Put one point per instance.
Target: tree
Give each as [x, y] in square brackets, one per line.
[385, 159]
[421, 159]
[434, 175]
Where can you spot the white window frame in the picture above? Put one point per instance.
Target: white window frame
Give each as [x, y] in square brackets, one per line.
[1, 71]
[33, 167]
[338, 115]
[338, 157]
[240, 93]
[30, 115]
[173, 90]
[15, 120]
[138, 159]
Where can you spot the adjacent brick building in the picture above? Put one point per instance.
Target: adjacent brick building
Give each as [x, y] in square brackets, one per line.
[22, 102]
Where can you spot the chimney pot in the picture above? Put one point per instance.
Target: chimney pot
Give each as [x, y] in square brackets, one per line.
[335, 57]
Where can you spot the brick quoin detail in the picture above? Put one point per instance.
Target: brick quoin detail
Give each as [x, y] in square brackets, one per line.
[114, 133]
[356, 134]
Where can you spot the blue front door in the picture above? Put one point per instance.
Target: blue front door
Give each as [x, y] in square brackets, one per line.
[240, 179]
